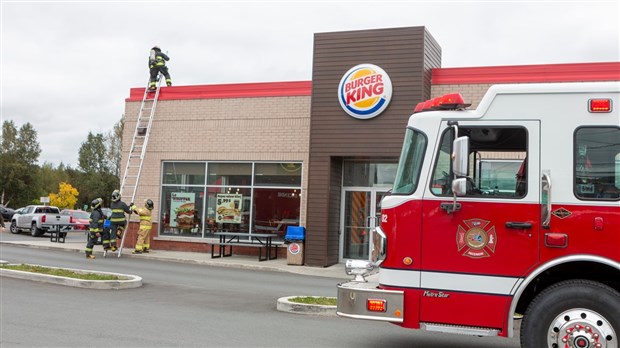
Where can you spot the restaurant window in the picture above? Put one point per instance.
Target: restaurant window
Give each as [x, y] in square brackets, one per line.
[597, 163]
[277, 174]
[229, 174]
[275, 209]
[182, 210]
[228, 209]
[184, 173]
[237, 197]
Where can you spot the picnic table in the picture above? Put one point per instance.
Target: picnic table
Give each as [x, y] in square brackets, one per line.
[258, 240]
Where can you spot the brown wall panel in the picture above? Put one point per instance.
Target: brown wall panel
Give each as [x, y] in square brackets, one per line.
[407, 55]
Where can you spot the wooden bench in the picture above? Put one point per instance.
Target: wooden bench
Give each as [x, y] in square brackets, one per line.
[255, 240]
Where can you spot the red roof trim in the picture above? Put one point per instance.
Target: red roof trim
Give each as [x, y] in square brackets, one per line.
[528, 73]
[240, 90]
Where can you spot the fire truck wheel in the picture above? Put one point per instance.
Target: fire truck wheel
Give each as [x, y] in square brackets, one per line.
[573, 313]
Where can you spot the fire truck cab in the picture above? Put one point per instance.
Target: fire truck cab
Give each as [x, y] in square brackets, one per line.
[508, 211]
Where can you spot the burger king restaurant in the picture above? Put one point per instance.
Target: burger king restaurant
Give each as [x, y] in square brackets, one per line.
[260, 157]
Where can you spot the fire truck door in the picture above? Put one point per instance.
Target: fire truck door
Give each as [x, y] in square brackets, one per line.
[473, 258]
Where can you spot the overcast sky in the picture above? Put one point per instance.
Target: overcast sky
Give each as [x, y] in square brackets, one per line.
[67, 66]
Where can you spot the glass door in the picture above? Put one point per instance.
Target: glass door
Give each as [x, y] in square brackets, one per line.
[360, 214]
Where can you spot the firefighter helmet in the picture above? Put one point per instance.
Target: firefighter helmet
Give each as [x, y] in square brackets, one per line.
[96, 203]
[156, 48]
[148, 204]
[116, 196]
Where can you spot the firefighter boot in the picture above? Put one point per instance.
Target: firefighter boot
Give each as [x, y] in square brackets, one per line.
[137, 252]
[168, 83]
[90, 256]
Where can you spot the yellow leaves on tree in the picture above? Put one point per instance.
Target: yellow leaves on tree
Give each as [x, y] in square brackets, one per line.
[66, 196]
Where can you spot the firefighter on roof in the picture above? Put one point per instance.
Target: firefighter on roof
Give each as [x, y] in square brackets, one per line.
[96, 228]
[117, 220]
[157, 64]
[142, 242]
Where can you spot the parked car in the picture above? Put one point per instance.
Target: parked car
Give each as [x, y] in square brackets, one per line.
[7, 213]
[79, 218]
[37, 219]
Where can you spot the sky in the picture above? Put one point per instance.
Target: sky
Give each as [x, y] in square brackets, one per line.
[66, 67]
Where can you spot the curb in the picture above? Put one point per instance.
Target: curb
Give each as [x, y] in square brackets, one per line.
[284, 305]
[127, 281]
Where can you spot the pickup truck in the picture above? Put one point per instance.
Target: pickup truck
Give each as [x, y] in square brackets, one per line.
[37, 219]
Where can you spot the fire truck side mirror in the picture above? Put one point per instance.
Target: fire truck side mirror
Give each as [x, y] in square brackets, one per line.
[460, 156]
[459, 186]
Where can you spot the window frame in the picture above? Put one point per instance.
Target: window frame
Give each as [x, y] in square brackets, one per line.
[574, 164]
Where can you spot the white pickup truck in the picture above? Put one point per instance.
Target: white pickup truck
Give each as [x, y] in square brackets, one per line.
[37, 219]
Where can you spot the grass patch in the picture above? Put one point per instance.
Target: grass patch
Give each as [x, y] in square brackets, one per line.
[60, 272]
[323, 301]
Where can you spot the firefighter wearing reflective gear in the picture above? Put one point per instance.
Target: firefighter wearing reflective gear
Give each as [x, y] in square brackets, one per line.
[142, 243]
[117, 220]
[96, 228]
[157, 64]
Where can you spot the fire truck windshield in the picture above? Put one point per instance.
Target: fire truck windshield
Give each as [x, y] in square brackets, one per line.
[410, 163]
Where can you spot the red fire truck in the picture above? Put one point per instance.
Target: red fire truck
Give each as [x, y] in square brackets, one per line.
[508, 211]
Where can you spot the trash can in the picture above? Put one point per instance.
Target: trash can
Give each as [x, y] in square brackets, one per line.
[295, 236]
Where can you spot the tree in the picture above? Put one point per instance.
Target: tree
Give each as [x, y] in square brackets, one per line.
[92, 155]
[114, 144]
[49, 177]
[66, 197]
[19, 153]
[95, 177]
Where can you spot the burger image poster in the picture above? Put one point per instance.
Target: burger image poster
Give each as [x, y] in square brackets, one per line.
[182, 205]
[229, 208]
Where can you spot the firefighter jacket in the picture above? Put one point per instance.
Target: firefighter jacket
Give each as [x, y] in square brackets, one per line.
[119, 208]
[145, 217]
[160, 60]
[96, 221]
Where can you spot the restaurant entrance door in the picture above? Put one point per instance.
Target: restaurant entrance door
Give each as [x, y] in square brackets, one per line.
[360, 213]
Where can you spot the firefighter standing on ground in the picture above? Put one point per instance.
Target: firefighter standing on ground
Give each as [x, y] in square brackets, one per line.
[142, 242]
[96, 228]
[117, 220]
[157, 64]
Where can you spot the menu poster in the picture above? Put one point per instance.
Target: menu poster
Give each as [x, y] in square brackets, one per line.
[182, 206]
[228, 208]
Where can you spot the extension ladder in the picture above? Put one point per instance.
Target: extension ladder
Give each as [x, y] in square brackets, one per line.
[137, 150]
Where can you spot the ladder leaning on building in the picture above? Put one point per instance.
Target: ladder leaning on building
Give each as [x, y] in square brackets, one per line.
[137, 150]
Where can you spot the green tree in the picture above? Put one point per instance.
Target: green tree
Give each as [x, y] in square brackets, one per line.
[19, 153]
[49, 177]
[92, 155]
[95, 178]
[114, 143]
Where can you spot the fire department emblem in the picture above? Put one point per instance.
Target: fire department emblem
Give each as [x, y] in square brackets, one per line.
[475, 240]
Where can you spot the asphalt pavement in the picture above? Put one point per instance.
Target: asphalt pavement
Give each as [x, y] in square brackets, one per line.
[76, 243]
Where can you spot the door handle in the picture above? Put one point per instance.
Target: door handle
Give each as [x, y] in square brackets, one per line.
[519, 225]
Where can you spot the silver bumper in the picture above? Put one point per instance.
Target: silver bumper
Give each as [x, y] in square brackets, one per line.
[353, 298]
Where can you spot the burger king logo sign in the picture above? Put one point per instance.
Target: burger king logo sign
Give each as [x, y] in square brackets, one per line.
[365, 91]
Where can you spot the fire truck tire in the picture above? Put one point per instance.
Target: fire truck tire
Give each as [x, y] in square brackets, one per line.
[583, 312]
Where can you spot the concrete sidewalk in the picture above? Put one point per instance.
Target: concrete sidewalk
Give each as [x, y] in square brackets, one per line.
[235, 261]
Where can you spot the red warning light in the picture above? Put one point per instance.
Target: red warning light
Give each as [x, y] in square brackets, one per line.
[375, 305]
[599, 105]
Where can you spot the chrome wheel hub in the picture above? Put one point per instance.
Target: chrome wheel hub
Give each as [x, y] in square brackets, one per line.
[581, 328]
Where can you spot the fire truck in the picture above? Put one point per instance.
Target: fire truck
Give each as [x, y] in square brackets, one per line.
[503, 216]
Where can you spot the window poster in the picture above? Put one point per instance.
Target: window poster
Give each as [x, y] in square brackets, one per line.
[182, 205]
[229, 207]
